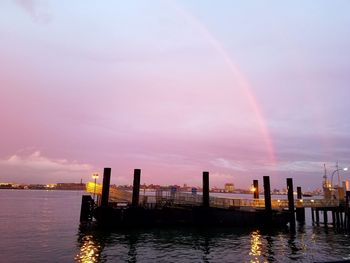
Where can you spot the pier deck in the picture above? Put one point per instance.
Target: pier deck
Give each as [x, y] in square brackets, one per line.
[188, 199]
[168, 206]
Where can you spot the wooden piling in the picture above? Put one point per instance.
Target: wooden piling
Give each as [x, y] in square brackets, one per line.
[267, 193]
[347, 210]
[86, 208]
[312, 215]
[317, 216]
[341, 219]
[299, 193]
[333, 218]
[337, 219]
[136, 187]
[256, 189]
[105, 186]
[206, 189]
[300, 211]
[291, 200]
[325, 217]
[300, 214]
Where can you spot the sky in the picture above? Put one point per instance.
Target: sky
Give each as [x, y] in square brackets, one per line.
[241, 89]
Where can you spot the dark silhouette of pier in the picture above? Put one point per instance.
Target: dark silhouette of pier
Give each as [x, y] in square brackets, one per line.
[171, 207]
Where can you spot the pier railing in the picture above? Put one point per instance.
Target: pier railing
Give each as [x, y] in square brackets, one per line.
[115, 195]
[163, 198]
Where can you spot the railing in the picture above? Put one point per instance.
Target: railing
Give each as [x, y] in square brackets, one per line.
[188, 199]
[115, 195]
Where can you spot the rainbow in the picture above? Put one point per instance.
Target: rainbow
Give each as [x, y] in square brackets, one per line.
[237, 74]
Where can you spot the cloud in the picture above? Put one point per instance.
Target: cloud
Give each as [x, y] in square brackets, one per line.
[35, 166]
[298, 166]
[301, 166]
[304, 166]
[39, 162]
[228, 164]
[35, 9]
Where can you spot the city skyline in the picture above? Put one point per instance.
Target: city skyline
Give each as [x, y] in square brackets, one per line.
[174, 88]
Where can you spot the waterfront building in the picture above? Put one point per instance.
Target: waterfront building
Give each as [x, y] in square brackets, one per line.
[229, 187]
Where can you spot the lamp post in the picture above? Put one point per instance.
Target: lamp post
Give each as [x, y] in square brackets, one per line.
[94, 176]
[337, 170]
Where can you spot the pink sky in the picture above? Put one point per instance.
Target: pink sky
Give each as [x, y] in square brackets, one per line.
[173, 88]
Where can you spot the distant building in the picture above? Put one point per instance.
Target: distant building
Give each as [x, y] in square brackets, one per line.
[229, 188]
[69, 186]
[5, 186]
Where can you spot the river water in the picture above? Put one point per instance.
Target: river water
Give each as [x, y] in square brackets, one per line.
[43, 226]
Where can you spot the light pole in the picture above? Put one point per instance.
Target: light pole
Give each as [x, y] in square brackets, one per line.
[95, 176]
[337, 170]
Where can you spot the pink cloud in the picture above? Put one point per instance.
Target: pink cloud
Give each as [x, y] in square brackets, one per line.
[35, 165]
[36, 9]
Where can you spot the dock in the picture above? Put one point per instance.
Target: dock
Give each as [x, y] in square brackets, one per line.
[119, 207]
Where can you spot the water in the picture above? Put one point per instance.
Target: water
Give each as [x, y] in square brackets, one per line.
[43, 226]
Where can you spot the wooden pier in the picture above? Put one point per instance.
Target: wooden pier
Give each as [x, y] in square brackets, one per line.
[164, 196]
[339, 214]
[113, 198]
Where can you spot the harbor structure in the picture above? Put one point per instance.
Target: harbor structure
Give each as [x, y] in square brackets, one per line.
[173, 208]
[118, 208]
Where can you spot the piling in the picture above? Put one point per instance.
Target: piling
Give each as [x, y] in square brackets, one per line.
[105, 187]
[86, 208]
[317, 216]
[341, 219]
[337, 219]
[136, 188]
[206, 189]
[267, 193]
[291, 202]
[347, 210]
[256, 189]
[313, 215]
[300, 214]
[299, 193]
[300, 211]
[325, 217]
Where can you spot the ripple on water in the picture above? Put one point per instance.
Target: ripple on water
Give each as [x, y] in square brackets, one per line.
[219, 245]
[50, 233]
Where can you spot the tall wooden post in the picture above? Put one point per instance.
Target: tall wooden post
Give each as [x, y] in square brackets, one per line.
[338, 218]
[325, 217]
[341, 219]
[267, 193]
[333, 218]
[300, 211]
[206, 189]
[347, 210]
[105, 186]
[291, 201]
[136, 187]
[86, 208]
[256, 189]
[299, 194]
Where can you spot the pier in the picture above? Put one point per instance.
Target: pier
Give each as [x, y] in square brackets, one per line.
[334, 212]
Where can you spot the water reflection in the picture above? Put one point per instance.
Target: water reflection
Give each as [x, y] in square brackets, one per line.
[90, 250]
[206, 249]
[199, 245]
[270, 249]
[132, 251]
[255, 246]
[261, 247]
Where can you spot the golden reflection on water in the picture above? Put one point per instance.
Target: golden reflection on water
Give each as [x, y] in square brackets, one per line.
[89, 250]
[255, 246]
